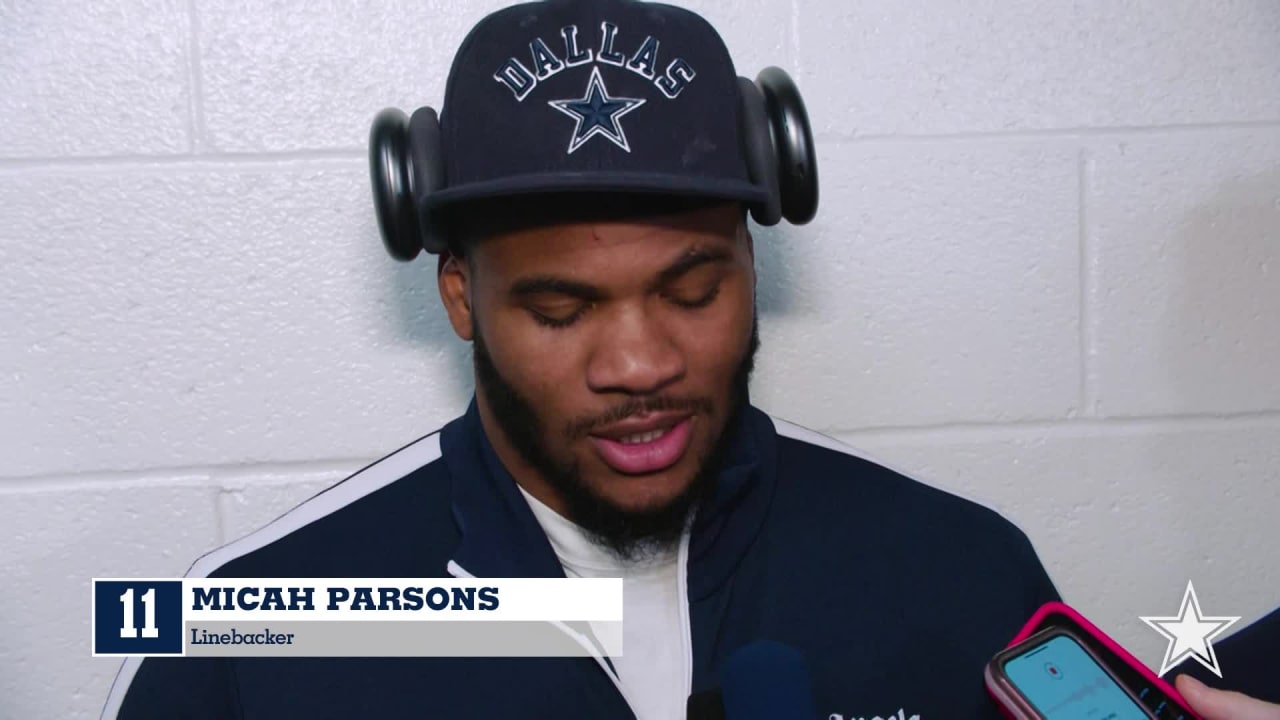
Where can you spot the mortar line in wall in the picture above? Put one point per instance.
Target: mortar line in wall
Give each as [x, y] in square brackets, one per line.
[1051, 133]
[794, 51]
[195, 79]
[1118, 424]
[1088, 390]
[222, 476]
[233, 475]
[180, 161]
[183, 160]
[220, 496]
[232, 472]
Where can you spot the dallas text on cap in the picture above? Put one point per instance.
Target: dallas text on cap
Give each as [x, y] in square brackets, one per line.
[521, 81]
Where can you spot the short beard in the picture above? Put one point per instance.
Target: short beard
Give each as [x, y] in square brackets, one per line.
[630, 535]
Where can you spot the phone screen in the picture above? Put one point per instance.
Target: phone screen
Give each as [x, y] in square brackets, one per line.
[1064, 682]
[1150, 696]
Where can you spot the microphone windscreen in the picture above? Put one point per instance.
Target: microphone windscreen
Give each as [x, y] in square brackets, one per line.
[767, 679]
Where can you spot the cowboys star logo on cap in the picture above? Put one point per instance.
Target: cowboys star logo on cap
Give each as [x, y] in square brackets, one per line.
[597, 113]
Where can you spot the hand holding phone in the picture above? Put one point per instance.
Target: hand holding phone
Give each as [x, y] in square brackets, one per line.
[1062, 667]
[1215, 704]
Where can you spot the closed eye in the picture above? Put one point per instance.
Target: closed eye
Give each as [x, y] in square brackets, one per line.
[696, 302]
[555, 302]
[557, 320]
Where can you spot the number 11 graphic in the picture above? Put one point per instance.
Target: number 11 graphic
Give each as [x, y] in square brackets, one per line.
[149, 614]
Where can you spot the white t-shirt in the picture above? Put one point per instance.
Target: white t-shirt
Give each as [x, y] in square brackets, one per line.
[654, 667]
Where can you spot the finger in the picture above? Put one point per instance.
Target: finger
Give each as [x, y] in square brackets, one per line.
[1213, 704]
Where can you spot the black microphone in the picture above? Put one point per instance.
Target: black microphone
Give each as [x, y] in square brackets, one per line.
[706, 705]
[763, 680]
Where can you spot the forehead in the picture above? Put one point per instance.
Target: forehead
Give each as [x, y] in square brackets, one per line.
[593, 233]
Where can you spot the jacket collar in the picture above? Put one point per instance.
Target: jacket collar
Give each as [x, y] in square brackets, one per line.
[729, 522]
[500, 537]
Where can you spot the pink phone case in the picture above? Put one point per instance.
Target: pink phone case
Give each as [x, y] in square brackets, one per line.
[1084, 625]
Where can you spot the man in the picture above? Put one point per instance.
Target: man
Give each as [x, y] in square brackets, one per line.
[606, 281]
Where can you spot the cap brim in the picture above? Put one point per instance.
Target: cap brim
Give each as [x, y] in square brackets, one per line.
[599, 182]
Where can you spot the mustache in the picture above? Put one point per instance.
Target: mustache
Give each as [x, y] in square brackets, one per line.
[583, 426]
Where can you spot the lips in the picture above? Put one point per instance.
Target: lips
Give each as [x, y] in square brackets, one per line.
[649, 444]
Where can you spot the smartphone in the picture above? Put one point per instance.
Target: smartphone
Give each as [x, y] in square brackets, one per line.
[1152, 692]
[1156, 697]
[1053, 675]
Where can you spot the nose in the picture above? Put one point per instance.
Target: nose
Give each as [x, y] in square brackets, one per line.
[634, 355]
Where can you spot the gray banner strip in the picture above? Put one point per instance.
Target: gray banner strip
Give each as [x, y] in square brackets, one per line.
[396, 639]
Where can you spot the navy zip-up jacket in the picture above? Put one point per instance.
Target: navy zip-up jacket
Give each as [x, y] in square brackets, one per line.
[896, 593]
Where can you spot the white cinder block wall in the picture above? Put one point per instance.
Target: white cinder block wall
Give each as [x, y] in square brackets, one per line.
[1046, 275]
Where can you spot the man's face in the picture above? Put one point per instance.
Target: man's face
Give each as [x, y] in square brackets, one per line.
[610, 356]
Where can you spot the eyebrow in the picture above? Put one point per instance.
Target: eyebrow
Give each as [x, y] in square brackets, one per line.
[695, 258]
[542, 284]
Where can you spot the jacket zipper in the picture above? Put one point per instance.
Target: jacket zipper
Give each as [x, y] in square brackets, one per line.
[458, 571]
[682, 583]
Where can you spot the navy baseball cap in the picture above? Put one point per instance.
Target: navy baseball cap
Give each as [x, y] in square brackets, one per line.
[583, 96]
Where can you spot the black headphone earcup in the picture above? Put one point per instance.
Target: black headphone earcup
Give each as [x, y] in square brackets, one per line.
[793, 138]
[428, 174]
[393, 184]
[758, 147]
